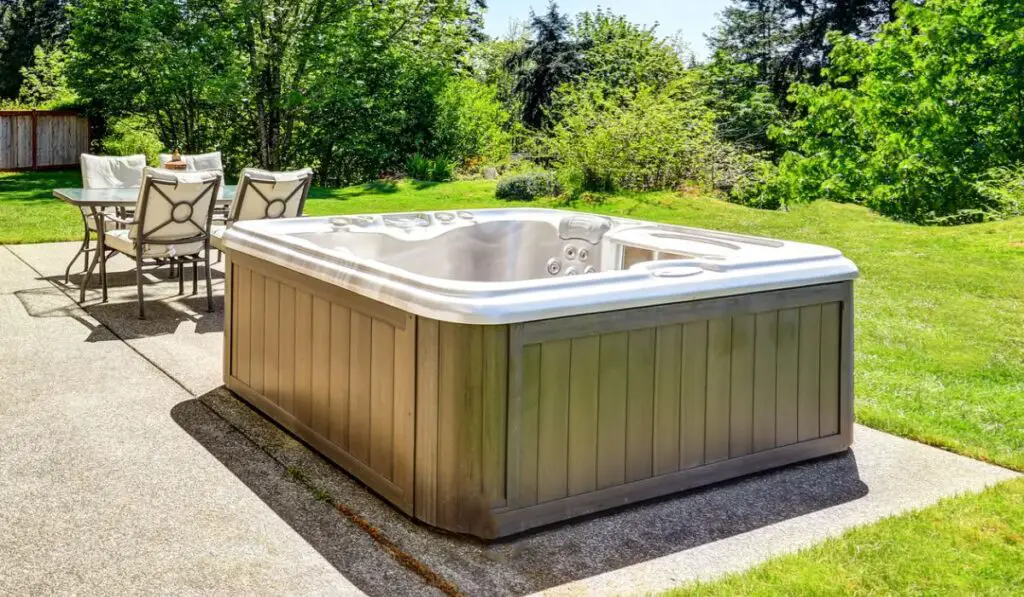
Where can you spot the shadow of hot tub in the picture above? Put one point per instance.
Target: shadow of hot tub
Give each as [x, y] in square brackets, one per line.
[491, 371]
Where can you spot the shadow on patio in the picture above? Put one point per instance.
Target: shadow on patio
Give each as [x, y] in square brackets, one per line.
[519, 565]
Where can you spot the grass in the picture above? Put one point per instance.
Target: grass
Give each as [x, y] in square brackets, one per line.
[962, 546]
[940, 359]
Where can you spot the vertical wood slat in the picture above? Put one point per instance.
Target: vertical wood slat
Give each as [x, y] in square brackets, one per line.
[788, 359]
[256, 330]
[694, 385]
[583, 414]
[553, 425]
[716, 440]
[829, 380]
[382, 389]
[271, 338]
[360, 336]
[765, 371]
[808, 376]
[303, 356]
[286, 374]
[320, 390]
[640, 404]
[470, 416]
[339, 376]
[667, 398]
[404, 428]
[427, 437]
[741, 387]
[452, 357]
[528, 425]
[611, 418]
[243, 307]
[494, 412]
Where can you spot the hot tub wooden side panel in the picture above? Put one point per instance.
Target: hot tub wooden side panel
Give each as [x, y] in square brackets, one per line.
[612, 409]
[461, 425]
[334, 368]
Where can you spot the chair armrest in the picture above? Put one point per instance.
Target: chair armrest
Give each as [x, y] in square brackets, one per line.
[115, 219]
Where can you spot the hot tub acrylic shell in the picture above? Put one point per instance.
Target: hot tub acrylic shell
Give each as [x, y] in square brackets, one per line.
[497, 427]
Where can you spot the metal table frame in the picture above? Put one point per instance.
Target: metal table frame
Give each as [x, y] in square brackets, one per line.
[92, 203]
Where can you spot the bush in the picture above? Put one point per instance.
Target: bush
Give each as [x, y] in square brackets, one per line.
[470, 123]
[606, 140]
[418, 167]
[528, 186]
[133, 135]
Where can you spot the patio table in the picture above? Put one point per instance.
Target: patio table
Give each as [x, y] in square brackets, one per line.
[95, 201]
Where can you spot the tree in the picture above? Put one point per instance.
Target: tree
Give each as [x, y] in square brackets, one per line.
[916, 122]
[624, 56]
[787, 40]
[24, 26]
[552, 57]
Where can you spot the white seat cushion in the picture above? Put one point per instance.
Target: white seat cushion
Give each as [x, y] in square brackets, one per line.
[217, 237]
[121, 241]
[112, 172]
[197, 162]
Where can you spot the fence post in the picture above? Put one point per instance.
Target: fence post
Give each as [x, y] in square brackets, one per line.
[35, 141]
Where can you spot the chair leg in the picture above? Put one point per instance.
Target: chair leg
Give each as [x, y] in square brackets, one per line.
[181, 277]
[195, 276]
[209, 283]
[138, 284]
[81, 251]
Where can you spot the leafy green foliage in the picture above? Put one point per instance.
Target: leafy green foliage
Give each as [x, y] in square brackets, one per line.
[26, 25]
[45, 84]
[470, 123]
[910, 124]
[421, 168]
[133, 135]
[528, 186]
[604, 141]
[622, 56]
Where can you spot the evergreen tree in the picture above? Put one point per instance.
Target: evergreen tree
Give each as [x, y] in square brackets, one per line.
[552, 57]
[786, 40]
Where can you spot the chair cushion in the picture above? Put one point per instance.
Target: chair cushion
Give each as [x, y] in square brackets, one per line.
[197, 162]
[217, 237]
[121, 240]
[112, 172]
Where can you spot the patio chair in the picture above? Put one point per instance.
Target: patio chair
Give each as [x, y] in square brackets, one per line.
[172, 224]
[104, 172]
[197, 162]
[263, 195]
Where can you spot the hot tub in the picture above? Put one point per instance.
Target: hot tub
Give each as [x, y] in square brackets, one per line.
[490, 371]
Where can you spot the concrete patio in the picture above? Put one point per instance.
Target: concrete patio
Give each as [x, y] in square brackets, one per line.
[128, 469]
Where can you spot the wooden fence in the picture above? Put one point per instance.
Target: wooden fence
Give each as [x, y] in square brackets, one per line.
[31, 140]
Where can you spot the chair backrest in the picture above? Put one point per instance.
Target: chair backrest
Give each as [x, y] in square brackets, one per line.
[197, 162]
[112, 172]
[175, 207]
[266, 195]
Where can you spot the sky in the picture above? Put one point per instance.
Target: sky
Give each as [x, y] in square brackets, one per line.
[693, 18]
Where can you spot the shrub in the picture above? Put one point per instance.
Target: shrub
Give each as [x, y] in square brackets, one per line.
[418, 167]
[607, 140]
[470, 123]
[528, 186]
[133, 135]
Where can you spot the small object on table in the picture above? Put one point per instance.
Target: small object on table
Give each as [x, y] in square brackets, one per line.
[176, 163]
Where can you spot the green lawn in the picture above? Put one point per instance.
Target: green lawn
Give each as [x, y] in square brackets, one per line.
[962, 546]
[940, 359]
